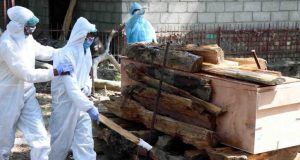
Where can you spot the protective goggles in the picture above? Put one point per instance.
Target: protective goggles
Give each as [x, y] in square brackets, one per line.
[90, 38]
[29, 29]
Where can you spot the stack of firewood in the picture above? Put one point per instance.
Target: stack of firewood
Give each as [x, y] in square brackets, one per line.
[184, 109]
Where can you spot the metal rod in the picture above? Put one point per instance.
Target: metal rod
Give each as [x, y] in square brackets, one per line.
[255, 58]
[158, 95]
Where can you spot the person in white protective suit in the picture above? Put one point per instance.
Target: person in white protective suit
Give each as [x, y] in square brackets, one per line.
[18, 105]
[72, 111]
[137, 28]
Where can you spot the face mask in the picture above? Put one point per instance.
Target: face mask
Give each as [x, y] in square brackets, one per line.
[88, 42]
[29, 29]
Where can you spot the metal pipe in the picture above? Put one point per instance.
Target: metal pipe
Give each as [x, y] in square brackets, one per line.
[255, 58]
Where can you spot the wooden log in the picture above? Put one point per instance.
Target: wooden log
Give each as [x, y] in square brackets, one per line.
[179, 60]
[250, 62]
[68, 19]
[198, 87]
[104, 55]
[210, 53]
[133, 72]
[110, 85]
[176, 107]
[197, 136]
[262, 78]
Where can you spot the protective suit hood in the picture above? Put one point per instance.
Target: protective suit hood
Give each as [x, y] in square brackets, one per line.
[134, 6]
[79, 31]
[19, 16]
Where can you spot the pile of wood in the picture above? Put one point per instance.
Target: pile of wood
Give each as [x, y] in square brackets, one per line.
[184, 110]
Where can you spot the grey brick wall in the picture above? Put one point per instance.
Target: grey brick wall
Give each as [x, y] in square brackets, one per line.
[40, 9]
[108, 14]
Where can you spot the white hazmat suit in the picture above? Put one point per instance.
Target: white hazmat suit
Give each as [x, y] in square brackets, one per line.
[18, 105]
[70, 125]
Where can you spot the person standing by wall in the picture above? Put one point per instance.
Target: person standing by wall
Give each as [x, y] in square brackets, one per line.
[137, 28]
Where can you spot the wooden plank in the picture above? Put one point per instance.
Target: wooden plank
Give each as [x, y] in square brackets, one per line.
[237, 126]
[277, 127]
[262, 78]
[277, 96]
[197, 136]
[119, 129]
[179, 60]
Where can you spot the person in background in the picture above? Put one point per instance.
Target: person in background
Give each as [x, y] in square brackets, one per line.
[19, 107]
[72, 111]
[137, 28]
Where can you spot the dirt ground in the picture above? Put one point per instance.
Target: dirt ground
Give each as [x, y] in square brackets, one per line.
[21, 150]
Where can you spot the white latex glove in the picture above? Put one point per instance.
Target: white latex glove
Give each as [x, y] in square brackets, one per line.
[86, 90]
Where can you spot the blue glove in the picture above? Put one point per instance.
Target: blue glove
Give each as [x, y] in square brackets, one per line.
[94, 114]
[64, 67]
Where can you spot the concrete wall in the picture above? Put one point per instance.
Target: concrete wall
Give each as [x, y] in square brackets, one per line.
[182, 12]
[110, 13]
[40, 9]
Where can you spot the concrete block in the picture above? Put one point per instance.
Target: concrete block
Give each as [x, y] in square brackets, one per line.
[122, 7]
[110, 7]
[125, 17]
[188, 18]
[177, 7]
[82, 5]
[261, 16]
[89, 5]
[107, 17]
[279, 16]
[99, 7]
[270, 6]
[215, 7]
[224, 17]
[116, 18]
[153, 17]
[169, 18]
[196, 7]
[243, 17]
[295, 16]
[158, 7]
[252, 6]
[288, 5]
[93, 17]
[206, 17]
[99, 17]
[233, 6]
